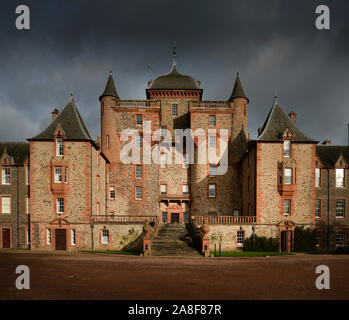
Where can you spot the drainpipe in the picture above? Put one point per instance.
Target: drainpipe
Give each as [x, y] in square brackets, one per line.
[328, 209]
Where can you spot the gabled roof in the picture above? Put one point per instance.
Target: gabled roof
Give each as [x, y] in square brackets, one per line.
[18, 151]
[329, 154]
[238, 91]
[70, 121]
[109, 88]
[276, 124]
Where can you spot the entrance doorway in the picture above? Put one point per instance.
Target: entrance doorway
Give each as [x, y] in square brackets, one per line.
[61, 239]
[286, 241]
[174, 217]
[6, 238]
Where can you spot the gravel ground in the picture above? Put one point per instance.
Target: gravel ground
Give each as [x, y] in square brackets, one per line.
[103, 276]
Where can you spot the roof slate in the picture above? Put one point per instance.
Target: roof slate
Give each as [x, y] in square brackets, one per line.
[19, 151]
[276, 124]
[329, 154]
[238, 91]
[71, 123]
[110, 88]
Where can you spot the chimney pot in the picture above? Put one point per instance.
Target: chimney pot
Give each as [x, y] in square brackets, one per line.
[293, 116]
[54, 113]
[327, 142]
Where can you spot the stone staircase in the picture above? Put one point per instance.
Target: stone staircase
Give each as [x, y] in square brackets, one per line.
[174, 239]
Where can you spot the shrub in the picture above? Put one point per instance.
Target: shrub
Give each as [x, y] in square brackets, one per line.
[304, 239]
[261, 244]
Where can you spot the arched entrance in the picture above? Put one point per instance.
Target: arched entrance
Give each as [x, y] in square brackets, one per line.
[286, 235]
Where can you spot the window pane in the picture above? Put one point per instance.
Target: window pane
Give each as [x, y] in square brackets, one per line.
[59, 147]
[66, 175]
[287, 148]
[317, 208]
[139, 193]
[288, 176]
[340, 208]
[317, 177]
[163, 189]
[212, 190]
[185, 189]
[212, 170]
[6, 175]
[174, 110]
[340, 177]
[287, 207]
[73, 237]
[48, 236]
[163, 160]
[139, 119]
[185, 160]
[6, 205]
[60, 205]
[105, 236]
[339, 237]
[58, 174]
[139, 141]
[212, 120]
[212, 141]
[164, 217]
[112, 193]
[240, 237]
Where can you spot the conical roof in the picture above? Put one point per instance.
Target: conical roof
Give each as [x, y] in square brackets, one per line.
[238, 91]
[70, 120]
[109, 88]
[276, 124]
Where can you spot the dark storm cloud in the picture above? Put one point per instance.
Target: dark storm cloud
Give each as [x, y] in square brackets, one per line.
[273, 44]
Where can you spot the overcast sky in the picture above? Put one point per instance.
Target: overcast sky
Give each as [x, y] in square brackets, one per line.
[274, 46]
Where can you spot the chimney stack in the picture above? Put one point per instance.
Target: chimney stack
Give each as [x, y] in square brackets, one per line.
[54, 114]
[327, 142]
[293, 116]
[260, 130]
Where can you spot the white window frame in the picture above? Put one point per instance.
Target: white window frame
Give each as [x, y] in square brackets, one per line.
[240, 237]
[342, 208]
[210, 195]
[317, 177]
[212, 120]
[288, 177]
[48, 236]
[163, 189]
[111, 192]
[104, 236]
[6, 205]
[60, 205]
[340, 175]
[59, 147]
[58, 175]
[73, 237]
[287, 148]
[138, 188]
[185, 189]
[286, 207]
[6, 175]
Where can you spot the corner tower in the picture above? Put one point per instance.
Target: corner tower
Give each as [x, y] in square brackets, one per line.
[108, 101]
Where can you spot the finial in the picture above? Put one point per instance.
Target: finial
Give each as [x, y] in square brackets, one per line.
[110, 72]
[174, 53]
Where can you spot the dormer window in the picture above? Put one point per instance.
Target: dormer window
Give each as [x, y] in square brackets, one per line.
[287, 148]
[339, 178]
[59, 147]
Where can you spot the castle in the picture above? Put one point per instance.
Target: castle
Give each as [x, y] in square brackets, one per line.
[66, 191]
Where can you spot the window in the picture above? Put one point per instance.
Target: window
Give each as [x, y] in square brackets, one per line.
[107, 141]
[48, 236]
[139, 193]
[212, 142]
[236, 213]
[6, 205]
[340, 208]
[28, 205]
[73, 237]
[98, 209]
[164, 217]
[339, 238]
[287, 207]
[318, 238]
[287, 148]
[60, 205]
[27, 173]
[212, 120]
[280, 175]
[163, 131]
[317, 208]
[139, 119]
[212, 170]
[288, 176]
[185, 189]
[105, 236]
[163, 160]
[111, 193]
[212, 190]
[185, 161]
[65, 175]
[6, 175]
[317, 177]
[163, 189]
[139, 171]
[139, 141]
[340, 178]
[28, 236]
[240, 237]
[59, 147]
[174, 110]
[58, 174]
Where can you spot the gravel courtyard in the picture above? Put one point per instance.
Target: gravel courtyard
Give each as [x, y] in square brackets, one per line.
[103, 276]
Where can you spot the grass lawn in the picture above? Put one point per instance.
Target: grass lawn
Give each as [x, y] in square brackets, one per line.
[129, 253]
[249, 254]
